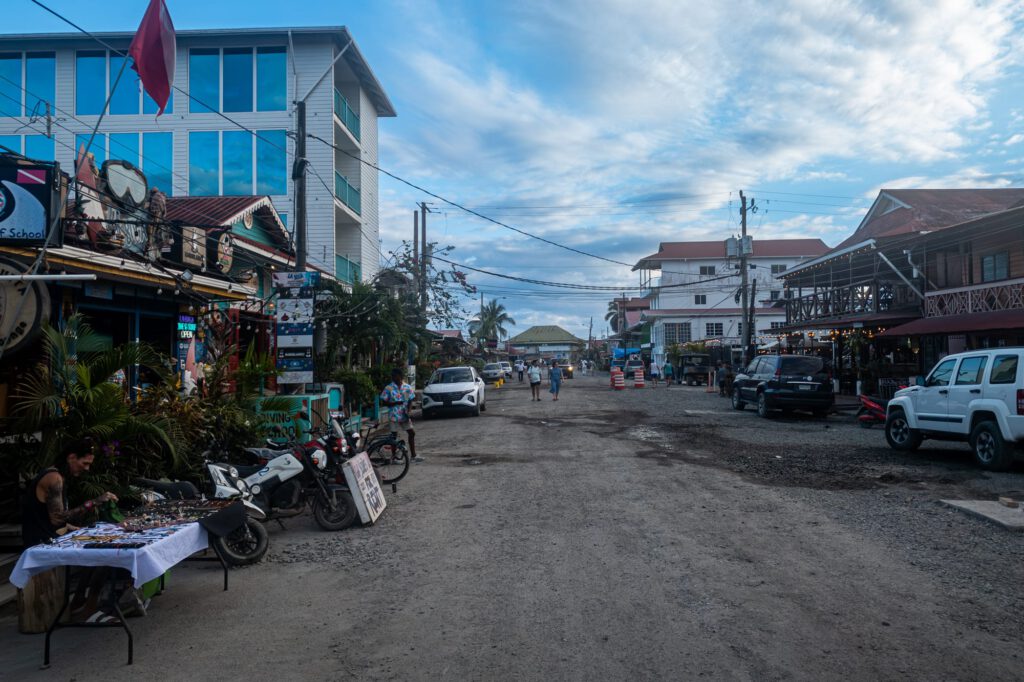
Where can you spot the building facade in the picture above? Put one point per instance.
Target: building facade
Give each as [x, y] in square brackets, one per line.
[53, 89]
[693, 289]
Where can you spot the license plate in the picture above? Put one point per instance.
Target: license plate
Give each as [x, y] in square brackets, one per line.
[804, 387]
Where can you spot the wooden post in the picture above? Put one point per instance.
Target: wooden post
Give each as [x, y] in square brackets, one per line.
[40, 601]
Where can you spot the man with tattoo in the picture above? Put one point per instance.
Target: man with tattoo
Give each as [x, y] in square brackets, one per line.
[46, 514]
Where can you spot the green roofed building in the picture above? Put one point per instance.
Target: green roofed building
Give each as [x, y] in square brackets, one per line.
[547, 342]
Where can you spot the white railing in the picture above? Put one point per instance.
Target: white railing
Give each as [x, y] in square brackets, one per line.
[1006, 294]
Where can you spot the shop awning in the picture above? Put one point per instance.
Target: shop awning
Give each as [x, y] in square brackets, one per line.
[847, 322]
[952, 324]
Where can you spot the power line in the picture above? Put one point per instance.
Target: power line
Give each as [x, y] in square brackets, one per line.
[461, 207]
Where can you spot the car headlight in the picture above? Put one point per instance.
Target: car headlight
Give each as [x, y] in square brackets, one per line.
[468, 395]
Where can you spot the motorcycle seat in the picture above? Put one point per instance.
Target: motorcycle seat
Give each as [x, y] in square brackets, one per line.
[245, 470]
[266, 453]
[173, 490]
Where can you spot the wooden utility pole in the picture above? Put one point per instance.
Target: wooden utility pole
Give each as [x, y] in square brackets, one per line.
[423, 253]
[744, 294]
[416, 249]
[299, 183]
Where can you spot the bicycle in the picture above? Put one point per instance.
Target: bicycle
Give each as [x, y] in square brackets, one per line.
[388, 454]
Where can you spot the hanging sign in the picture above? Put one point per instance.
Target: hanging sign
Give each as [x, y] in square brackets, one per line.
[28, 202]
[362, 481]
[293, 280]
[24, 308]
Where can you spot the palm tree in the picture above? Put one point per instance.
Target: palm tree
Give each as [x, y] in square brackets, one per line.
[612, 316]
[493, 319]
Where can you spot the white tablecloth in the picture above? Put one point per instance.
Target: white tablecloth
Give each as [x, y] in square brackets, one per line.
[144, 563]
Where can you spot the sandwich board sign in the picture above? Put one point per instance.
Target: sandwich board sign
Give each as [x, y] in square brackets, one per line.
[362, 481]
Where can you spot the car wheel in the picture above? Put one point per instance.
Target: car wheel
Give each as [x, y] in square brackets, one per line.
[762, 406]
[483, 406]
[898, 433]
[476, 411]
[989, 448]
[737, 401]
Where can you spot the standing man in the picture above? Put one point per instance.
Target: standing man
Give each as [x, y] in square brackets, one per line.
[397, 396]
[520, 368]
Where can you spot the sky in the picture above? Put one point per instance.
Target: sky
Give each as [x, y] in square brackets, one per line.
[612, 125]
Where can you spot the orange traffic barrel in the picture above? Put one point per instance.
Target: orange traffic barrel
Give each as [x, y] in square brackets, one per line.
[638, 378]
[619, 381]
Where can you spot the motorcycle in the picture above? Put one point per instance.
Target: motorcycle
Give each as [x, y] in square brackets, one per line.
[872, 411]
[284, 482]
[244, 546]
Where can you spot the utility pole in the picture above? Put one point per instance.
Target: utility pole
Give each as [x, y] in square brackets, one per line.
[423, 252]
[744, 297]
[416, 249]
[299, 183]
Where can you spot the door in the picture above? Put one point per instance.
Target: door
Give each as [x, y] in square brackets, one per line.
[931, 401]
[965, 388]
[751, 377]
[1002, 380]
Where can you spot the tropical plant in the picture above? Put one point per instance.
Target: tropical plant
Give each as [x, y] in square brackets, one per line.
[76, 391]
[612, 317]
[493, 318]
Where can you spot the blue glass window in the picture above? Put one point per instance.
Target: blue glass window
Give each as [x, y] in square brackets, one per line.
[271, 162]
[237, 163]
[125, 146]
[158, 161]
[10, 84]
[12, 142]
[271, 79]
[125, 97]
[90, 82]
[284, 219]
[98, 148]
[204, 80]
[203, 164]
[39, 147]
[238, 79]
[150, 107]
[40, 82]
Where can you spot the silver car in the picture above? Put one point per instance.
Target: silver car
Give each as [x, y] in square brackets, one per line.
[493, 371]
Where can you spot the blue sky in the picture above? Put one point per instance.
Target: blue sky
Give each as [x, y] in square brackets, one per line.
[611, 125]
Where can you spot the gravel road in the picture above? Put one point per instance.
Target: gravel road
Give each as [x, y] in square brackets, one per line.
[643, 534]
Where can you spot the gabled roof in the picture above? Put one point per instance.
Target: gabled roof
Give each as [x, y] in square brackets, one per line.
[902, 211]
[544, 334]
[715, 250]
[448, 333]
[226, 211]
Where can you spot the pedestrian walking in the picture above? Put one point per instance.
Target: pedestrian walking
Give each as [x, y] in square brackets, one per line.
[397, 396]
[555, 379]
[520, 369]
[669, 371]
[534, 373]
[654, 374]
[720, 378]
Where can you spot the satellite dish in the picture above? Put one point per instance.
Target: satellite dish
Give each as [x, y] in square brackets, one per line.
[126, 183]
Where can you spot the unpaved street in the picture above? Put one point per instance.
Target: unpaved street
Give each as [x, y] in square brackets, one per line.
[651, 534]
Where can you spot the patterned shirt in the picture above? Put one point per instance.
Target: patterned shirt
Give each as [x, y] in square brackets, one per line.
[394, 393]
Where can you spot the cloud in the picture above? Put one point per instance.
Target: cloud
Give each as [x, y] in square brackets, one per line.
[1014, 139]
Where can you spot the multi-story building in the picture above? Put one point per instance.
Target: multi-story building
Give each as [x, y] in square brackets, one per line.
[238, 82]
[693, 290]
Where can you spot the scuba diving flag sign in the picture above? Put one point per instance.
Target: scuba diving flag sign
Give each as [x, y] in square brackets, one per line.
[153, 52]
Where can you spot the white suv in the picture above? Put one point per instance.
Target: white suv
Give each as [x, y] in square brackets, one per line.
[976, 397]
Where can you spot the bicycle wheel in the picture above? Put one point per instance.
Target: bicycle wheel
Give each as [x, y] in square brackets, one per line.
[390, 459]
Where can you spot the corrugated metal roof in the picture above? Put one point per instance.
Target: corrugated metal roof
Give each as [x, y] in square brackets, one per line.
[763, 248]
[544, 334]
[225, 212]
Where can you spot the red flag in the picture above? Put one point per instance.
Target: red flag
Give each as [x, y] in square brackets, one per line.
[153, 53]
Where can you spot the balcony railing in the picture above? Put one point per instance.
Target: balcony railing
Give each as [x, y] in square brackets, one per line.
[346, 270]
[1007, 294]
[344, 112]
[347, 194]
[860, 298]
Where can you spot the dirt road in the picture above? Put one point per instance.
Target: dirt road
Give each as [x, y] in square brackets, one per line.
[648, 534]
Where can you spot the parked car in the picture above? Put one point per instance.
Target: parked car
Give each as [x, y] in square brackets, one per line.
[567, 368]
[454, 389]
[507, 368]
[492, 371]
[631, 367]
[977, 397]
[784, 382]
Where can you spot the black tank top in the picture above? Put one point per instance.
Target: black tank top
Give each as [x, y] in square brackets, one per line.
[35, 517]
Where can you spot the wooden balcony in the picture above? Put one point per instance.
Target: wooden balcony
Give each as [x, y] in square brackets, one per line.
[1007, 294]
[861, 298]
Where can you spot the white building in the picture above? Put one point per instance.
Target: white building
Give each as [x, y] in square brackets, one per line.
[693, 290]
[252, 76]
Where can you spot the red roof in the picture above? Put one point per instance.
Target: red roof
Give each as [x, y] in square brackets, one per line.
[950, 324]
[901, 211]
[225, 211]
[763, 248]
[448, 333]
